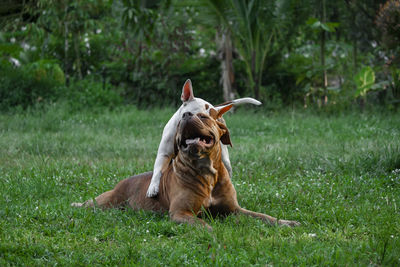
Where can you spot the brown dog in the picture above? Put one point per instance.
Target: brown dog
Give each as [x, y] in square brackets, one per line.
[196, 178]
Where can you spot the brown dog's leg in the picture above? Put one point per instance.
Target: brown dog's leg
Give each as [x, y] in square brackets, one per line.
[104, 201]
[187, 217]
[269, 219]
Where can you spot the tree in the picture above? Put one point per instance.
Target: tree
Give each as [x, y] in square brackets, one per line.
[224, 42]
[66, 21]
[252, 27]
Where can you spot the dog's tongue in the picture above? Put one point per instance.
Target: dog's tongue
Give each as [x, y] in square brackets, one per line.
[192, 141]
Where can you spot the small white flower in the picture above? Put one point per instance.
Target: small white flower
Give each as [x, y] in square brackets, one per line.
[25, 46]
[15, 61]
[312, 235]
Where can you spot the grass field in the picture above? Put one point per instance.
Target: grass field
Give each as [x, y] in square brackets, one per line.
[338, 175]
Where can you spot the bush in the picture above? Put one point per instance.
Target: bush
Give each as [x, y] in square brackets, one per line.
[387, 21]
[88, 93]
[44, 82]
[29, 84]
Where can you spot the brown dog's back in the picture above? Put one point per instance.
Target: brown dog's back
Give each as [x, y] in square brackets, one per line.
[130, 191]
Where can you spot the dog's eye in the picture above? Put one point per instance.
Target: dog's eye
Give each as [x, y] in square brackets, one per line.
[203, 116]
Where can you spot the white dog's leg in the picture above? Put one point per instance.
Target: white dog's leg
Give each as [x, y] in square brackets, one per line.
[225, 159]
[161, 160]
[165, 150]
[152, 191]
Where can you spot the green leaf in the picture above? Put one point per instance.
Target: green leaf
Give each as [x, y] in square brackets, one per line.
[325, 27]
[316, 25]
[380, 86]
[333, 25]
[311, 21]
[364, 80]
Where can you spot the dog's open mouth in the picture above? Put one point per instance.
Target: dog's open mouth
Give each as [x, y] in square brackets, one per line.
[201, 140]
[194, 137]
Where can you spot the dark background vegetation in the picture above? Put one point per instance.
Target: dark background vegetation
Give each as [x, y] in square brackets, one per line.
[313, 53]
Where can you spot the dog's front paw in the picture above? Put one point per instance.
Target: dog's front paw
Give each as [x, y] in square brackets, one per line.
[152, 191]
[288, 223]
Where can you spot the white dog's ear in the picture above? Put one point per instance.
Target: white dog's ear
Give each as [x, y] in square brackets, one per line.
[187, 91]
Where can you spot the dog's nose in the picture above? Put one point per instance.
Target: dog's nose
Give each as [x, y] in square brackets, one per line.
[187, 115]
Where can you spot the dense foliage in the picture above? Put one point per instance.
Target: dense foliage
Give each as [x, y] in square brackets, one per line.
[309, 52]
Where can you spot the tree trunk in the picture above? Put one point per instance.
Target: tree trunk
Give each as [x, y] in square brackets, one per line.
[66, 32]
[257, 91]
[254, 73]
[77, 54]
[354, 55]
[324, 74]
[226, 57]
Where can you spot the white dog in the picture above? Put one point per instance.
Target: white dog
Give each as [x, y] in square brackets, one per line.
[166, 147]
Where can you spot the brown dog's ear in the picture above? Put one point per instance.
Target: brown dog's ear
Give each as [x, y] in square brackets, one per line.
[222, 110]
[225, 136]
[217, 113]
[187, 91]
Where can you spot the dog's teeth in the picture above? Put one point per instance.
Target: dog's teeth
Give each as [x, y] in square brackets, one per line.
[192, 141]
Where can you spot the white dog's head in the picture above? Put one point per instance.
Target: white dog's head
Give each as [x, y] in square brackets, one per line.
[190, 103]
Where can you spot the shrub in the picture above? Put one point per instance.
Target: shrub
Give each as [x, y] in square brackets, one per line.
[29, 84]
[387, 21]
[88, 93]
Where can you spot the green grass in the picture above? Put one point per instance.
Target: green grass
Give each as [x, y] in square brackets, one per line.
[338, 175]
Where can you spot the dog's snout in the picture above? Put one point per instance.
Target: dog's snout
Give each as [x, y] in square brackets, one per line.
[187, 115]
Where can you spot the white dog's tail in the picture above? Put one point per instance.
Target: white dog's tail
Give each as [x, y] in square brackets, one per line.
[239, 101]
[246, 100]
